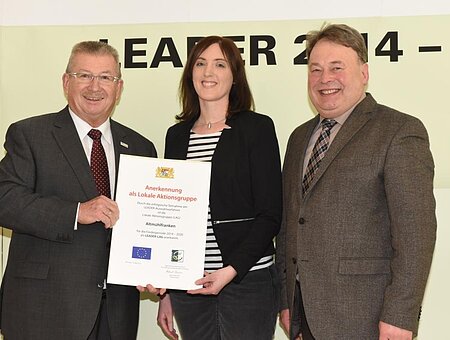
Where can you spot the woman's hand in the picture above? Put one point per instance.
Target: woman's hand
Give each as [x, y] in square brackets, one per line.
[165, 317]
[214, 282]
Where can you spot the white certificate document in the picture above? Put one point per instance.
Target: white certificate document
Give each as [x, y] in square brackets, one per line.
[161, 233]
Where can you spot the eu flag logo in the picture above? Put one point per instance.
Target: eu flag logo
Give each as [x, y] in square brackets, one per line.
[142, 253]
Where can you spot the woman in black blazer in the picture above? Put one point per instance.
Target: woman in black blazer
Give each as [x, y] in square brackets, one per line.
[240, 294]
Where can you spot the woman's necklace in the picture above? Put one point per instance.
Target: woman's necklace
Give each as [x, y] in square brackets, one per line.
[209, 124]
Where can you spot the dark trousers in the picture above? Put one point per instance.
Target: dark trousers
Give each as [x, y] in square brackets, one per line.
[241, 311]
[299, 324]
[101, 326]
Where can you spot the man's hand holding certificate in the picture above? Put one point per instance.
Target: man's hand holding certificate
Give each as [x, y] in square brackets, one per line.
[161, 233]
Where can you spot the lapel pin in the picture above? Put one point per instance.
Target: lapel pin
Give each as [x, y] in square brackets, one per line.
[125, 145]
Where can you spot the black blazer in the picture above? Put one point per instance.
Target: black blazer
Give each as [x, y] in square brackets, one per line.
[245, 185]
[52, 286]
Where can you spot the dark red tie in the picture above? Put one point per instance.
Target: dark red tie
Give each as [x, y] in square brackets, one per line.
[99, 164]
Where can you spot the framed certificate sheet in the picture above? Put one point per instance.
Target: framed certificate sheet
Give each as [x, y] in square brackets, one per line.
[161, 233]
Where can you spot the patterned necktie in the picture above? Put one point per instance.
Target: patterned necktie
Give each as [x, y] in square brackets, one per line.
[317, 153]
[99, 164]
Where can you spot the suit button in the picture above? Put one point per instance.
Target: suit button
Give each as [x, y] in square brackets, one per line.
[294, 260]
[100, 285]
[301, 220]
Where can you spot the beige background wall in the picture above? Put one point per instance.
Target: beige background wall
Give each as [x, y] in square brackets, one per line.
[33, 58]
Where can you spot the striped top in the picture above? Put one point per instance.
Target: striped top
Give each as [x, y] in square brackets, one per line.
[201, 148]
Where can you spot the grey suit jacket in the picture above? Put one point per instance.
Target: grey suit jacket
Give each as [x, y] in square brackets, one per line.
[53, 282]
[362, 237]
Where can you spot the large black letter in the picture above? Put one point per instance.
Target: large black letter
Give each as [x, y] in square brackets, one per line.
[173, 54]
[130, 53]
[255, 50]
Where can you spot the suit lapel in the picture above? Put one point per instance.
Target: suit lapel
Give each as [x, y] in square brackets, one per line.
[67, 138]
[122, 145]
[69, 142]
[357, 119]
[305, 142]
[179, 149]
[299, 154]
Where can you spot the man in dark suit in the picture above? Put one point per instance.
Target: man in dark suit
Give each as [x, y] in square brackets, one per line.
[359, 226]
[54, 284]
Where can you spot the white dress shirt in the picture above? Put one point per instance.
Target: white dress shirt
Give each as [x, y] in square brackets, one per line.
[83, 129]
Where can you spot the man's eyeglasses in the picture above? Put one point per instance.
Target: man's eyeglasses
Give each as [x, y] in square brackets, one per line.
[89, 77]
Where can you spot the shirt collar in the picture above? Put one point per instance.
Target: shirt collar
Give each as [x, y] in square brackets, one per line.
[340, 119]
[83, 127]
[343, 117]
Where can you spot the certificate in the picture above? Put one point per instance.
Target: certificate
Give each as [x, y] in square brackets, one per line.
[161, 233]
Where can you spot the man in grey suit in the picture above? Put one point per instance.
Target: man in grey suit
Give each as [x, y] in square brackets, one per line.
[359, 226]
[54, 284]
